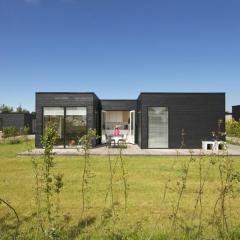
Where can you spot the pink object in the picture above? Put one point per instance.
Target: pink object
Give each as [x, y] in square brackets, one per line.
[116, 132]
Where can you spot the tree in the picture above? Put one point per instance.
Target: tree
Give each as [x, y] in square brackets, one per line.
[6, 109]
[21, 110]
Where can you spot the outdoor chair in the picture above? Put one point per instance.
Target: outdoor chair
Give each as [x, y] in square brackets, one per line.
[109, 141]
[123, 141]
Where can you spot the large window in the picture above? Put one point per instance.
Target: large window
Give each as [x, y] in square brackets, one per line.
[76, 124]
[157, 127]
[56, 116]
[70, 122]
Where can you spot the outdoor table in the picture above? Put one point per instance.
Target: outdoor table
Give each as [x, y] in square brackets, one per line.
[116, 138]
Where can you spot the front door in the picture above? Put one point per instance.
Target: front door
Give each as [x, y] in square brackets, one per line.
[132, 127]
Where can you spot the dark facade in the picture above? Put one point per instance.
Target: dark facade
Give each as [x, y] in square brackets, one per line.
[196, 113]
[236, 112]
[119, 105]
[88, 100]
[18, 120]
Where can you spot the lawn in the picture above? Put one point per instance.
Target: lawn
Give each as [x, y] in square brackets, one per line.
[148, 213]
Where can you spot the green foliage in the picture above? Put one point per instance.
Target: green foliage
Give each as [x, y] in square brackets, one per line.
[51, 184]
[9, 132]
[25, 131]
[49, 138]
[87, 140]
[19, 109]
[86, 143]
[202, 195]
[233, 128]
[6, 109]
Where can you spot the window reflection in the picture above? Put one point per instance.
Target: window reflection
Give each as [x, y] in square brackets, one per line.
[56, 116]
[76, 124]
[158, 127]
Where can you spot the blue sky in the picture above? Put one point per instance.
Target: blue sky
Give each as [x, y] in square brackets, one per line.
[118, 48]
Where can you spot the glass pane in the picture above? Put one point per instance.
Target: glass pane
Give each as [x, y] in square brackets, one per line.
[76, 111]
[53, 111]
[158, 127]
[76, 124]
[56, 116]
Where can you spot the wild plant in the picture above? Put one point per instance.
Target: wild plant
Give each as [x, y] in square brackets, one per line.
[86, 143]
[183, 134]
[46, 186]
[122, 146]
[168, 181]
[229, 179]
[48, 140]
[58, 185]
[111, 175]
[24, 132]
[180, 189]
[38, 175]
[11, 208]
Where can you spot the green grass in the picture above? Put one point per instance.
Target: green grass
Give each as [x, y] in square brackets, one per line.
[146, 177]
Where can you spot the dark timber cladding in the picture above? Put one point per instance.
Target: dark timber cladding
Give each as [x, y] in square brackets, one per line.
[236, 112]
[159, 117]
[196, 113]
[88, 100]
[18, 120]
[119, 105]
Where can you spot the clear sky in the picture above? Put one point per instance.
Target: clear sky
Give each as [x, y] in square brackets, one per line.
[118, 48]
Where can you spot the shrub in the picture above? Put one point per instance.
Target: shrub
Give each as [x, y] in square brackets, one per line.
[25, 131]
[233, 128]
[6, 109]
[9, 132]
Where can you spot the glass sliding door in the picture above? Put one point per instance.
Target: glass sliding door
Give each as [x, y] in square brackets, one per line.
[132, 127]
[76, 124]
[56, 116]
[157, 127]
[103, 127]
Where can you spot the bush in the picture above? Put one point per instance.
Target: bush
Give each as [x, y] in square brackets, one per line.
[9, 132]
[233, 128]
[25, 130]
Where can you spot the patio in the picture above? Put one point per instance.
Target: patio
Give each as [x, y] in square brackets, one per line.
[133, 149]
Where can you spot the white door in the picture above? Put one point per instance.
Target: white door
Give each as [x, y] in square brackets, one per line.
[132, 127]
[103, 126]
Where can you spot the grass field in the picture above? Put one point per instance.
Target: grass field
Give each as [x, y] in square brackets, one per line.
[147, 214]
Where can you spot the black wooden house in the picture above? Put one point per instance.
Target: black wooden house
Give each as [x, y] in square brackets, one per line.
[153, 120]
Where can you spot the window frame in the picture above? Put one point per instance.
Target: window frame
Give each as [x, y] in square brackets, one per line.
[64, 119]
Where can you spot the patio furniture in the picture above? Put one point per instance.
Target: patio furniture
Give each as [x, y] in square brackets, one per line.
[109, 140]
[115, 139]
[123, 140]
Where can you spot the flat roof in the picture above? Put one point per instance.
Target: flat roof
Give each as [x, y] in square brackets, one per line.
[141, 93]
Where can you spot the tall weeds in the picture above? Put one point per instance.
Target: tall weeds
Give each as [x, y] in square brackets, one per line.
[86, 143]
[47, 188]
[122, 146]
